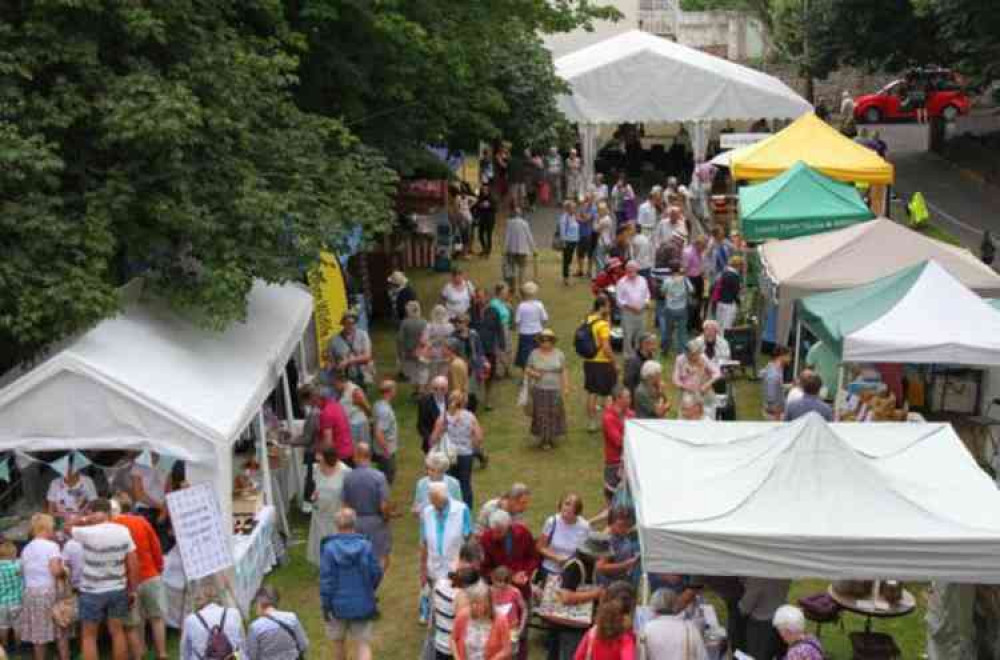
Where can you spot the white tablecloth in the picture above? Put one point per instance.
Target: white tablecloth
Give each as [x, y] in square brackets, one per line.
[253, 558]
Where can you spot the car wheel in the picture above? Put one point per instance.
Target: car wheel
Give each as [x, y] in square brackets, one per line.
[873, 115]
[949, 113]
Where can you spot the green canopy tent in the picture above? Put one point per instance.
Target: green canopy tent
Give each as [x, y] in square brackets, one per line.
[800, 202]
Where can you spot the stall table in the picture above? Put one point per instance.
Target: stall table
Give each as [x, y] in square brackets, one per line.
[254, 555]
[877, 608]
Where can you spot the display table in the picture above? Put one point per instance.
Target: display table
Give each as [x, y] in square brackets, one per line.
[253, 557]
[284, 482]
[877, 608]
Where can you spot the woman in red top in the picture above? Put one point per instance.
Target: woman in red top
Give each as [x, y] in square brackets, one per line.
[611, 638]
[508, 602]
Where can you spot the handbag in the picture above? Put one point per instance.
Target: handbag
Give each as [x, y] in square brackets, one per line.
[524, 398]
[65, 611]
[444, 443]
[507, 267]
[557, 241]
[552, 609]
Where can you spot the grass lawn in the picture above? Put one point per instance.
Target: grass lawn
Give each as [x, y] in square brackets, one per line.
[575, 465]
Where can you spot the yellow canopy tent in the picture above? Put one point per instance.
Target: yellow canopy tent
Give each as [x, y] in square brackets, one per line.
[820, 146]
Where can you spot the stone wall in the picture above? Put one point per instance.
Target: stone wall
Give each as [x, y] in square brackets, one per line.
[856, 81]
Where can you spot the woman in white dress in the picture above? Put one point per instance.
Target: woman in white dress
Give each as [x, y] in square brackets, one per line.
[329, 477]
[439, 330]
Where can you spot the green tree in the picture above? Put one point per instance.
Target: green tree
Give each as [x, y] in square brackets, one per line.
[970, 31]
[161, 138]
[406, 73]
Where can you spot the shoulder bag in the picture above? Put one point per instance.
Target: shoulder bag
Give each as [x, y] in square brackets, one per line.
[291, 633]
[65, 611]
[445, 445]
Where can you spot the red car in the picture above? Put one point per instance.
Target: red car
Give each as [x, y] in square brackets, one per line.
[945, 98]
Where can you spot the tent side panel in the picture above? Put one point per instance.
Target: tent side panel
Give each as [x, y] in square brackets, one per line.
[790, 557]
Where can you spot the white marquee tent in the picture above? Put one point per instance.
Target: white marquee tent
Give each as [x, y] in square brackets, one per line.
[149, 379]
[640, 77]
[857, 255]
[808, 499]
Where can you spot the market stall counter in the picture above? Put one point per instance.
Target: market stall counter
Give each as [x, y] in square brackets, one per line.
[254, 555]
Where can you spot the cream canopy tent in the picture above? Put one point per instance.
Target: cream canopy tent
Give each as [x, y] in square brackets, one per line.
[639, 77]
[811, 499]
[150, 379]
[858, 255]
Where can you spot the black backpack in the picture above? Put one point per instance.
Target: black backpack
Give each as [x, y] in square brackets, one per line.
[218, 646]
[584, 341]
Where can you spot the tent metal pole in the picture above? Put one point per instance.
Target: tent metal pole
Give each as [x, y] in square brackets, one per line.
[798, 343]
[841, 373]
[303, 364]
[286, 391]
[265, 469]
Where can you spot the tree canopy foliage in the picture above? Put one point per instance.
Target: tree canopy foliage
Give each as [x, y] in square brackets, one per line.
[402, 73]
[888, 35]
[207, 143]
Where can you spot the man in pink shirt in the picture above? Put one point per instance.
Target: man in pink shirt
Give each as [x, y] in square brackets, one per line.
[632, 294]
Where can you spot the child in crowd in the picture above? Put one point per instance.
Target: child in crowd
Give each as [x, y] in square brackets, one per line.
[11, 588]
[508, 602]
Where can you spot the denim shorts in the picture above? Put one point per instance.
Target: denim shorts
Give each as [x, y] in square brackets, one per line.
[98, 607]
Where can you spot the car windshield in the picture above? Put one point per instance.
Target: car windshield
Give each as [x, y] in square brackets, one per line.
[894, 88]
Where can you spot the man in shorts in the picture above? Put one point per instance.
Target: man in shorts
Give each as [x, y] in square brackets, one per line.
[349, 574]
[150, 605]
[109, 581]
[599, 373]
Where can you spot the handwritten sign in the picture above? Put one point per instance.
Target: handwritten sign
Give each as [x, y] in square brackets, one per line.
[201, 537]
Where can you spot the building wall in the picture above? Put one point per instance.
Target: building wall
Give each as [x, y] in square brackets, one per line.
[562, 44]
[729, 34]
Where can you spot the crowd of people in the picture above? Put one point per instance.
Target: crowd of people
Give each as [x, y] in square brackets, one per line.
[484, 574]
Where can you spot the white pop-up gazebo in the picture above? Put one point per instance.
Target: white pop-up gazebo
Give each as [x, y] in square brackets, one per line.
[149, 379]
[640, 77]
[920, 315]
[808, 499]
[857, 255]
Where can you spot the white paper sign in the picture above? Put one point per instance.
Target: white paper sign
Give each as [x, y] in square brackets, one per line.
[201, 537]
[737, 140]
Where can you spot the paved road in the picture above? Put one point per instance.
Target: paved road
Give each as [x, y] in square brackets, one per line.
[958, 202]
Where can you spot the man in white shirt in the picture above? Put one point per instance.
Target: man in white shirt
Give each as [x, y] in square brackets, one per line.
[713, 344]
[642, 250]
[632, 296]
[649, 211]
[109, 579]
[70, 495]
[444, 525]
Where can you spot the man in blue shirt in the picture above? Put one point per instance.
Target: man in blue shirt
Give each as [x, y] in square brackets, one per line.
[811, 384]
[772, 382]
